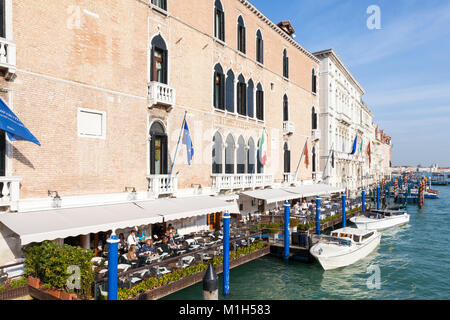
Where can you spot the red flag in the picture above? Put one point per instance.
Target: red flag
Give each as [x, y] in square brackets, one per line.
[306, 155]
[369, 154]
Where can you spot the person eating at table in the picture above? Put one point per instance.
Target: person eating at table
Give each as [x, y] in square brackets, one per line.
[165, 246]
[132, 256]
[148, 248]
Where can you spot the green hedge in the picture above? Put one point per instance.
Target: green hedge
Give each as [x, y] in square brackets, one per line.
[49, 261]
[152, 283]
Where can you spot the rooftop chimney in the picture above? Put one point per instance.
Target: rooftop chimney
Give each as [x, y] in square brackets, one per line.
[286, 27]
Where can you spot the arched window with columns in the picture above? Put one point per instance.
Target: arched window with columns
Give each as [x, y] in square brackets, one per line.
[241, 96]
[259, 165]
[241, 155]
[250, 104]
[219, 87]
[230, 155]
[229, 96]
[217, 154]
[251, 156]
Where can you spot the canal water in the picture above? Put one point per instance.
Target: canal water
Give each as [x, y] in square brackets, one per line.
[412, 262]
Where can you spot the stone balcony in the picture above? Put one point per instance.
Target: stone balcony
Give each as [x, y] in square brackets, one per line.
[8, 58]
[289, 178]
[288, 127]
[161, 95]
[159, 184]
[241, 181]
[10, 192]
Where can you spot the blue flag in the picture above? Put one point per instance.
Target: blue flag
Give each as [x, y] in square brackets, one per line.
[188, 142]
[354, 145]
[13, 126]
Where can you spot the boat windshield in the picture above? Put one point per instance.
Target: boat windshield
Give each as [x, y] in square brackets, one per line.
[367, 236]
[335, 240]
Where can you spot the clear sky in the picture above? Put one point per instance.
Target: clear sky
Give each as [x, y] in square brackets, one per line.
[404, 67]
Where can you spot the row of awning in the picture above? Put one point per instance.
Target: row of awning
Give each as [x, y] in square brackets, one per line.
[55, 224]
[62, 223]
[290, 193]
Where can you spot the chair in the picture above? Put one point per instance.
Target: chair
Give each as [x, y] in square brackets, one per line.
[141, 274]
[96, 260]
[123, 267]
[186, 261]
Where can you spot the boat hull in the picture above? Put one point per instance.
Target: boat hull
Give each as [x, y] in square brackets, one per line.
[365, 223]
[344, 260]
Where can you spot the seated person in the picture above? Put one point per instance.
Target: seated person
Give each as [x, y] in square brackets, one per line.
[171, 232]
[132, 254]
[165, 246]
[132, 239]
[148, 247]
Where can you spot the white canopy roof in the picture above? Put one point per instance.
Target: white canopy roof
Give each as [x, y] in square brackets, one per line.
[62, 223]
[178, 208]
[284, 194]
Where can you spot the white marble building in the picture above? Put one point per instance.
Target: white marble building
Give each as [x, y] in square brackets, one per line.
[343, 115]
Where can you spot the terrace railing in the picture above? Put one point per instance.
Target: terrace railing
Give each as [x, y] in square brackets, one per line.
[10, 192]
[241, 181]
[160, 184]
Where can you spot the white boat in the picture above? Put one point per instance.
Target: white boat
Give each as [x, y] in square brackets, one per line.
[344, 247]
[381, 219]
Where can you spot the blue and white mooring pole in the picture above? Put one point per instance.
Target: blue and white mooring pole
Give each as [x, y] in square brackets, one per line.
[226, 253]
[318, 215]
[287, 216]
[378, 197]
[344, 218]
[113, 259]
[363, 200]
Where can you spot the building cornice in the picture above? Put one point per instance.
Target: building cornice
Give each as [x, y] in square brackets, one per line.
[277, 29]
[340, 63]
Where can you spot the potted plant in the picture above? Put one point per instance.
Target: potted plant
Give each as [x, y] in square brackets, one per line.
[293, 224]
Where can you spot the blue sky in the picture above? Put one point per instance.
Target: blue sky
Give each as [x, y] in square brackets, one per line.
[404, 67]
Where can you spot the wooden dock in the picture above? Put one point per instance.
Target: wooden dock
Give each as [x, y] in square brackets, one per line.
[301, 253]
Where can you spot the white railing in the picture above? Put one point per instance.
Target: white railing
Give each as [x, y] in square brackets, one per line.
[315, 134]
[159, 184]
[241, 181]
[288, 127]
[289, 178]
[8, 56]
[9, 192]
[161, 94]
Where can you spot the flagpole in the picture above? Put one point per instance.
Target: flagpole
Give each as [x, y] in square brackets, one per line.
[301, 157]
[176, 151]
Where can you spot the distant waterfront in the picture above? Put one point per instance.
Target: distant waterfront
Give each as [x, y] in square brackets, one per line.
[414, 261]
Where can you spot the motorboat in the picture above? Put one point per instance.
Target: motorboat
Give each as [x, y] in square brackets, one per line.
[381, 219]
[344, 247]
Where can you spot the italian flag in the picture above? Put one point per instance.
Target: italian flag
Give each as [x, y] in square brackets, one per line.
[360, 149]
[263, 149]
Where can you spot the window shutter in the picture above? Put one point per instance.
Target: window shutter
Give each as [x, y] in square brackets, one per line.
[222, 25]
[287, 67]
[165, 58]
[222, 91]
[262, 51]
[152, 64]
[262, 105]
[152, 154]
[244, 44]
[164, 158]
[215, 90]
